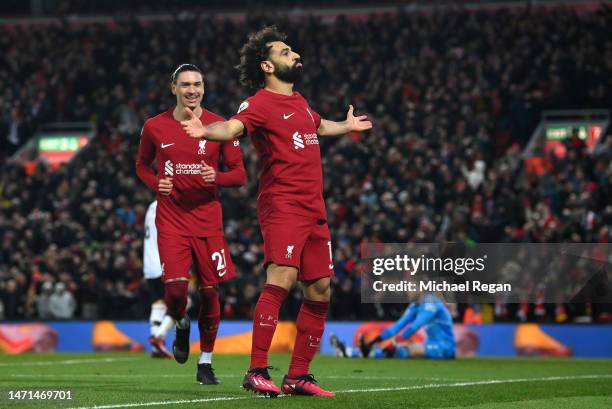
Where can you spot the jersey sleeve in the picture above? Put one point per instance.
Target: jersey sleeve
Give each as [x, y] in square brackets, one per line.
[146, 155]
[232, 158]
[408, 316]
[425, 315]
[315, 117]
[252, 115]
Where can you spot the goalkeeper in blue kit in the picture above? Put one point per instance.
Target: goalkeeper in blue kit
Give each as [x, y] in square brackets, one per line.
[431, 314]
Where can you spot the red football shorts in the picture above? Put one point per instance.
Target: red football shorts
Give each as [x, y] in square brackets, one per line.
[300, 242]
[210, 254]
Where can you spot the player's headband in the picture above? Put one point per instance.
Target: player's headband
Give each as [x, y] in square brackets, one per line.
[182, 68]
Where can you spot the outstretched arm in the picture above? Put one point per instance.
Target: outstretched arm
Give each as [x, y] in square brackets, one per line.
[352, 123]
[409, 315]
[217, 131]
[423, 317]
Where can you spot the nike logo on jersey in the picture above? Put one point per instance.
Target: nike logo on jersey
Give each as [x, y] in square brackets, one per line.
[165, 145]
[287, 116]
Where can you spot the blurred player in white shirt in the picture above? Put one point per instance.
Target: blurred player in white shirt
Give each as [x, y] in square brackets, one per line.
[159, 321]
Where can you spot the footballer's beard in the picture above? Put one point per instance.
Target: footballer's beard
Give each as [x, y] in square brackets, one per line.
[288, 74]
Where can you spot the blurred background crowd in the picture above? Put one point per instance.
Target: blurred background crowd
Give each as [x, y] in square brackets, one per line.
[454, 95]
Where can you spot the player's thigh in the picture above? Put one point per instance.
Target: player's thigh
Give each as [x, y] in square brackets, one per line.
[214, 262]
[175, 256]
[284, 238]
[317, 262]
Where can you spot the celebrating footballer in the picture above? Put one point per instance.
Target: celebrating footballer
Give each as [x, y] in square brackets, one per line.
[284, 130]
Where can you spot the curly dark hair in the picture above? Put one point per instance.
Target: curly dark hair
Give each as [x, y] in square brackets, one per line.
[253, 52]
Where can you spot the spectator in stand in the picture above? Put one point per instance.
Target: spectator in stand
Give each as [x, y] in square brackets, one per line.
[43, 301]
[61, 303]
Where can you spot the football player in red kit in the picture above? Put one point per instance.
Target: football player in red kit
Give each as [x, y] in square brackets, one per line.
[284, 130]
[189, 219]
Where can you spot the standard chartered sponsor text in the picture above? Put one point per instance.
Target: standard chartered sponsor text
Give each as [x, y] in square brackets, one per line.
[188, 169]
[311, 139]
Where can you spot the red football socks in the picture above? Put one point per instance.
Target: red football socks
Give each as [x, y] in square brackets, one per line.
[310, 324]
[265, 318]
[175, 296]
[209, 318]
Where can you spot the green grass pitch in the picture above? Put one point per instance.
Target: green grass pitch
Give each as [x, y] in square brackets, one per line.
[128, 380]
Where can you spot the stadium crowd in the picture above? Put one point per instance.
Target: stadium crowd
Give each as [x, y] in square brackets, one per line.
[454, 96]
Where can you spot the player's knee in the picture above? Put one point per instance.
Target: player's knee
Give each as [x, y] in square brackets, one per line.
[176, 298]
[281, 276]
[318, 290]
[209, 295]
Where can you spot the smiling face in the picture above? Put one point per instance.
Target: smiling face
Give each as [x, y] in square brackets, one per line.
[286, 63]
[189, 89]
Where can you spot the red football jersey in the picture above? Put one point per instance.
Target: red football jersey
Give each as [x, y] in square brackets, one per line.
[193, 207]
[284, 132]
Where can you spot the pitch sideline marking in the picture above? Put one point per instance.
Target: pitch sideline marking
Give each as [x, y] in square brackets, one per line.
[164, 402]
[395, 389]
[476, 383]
[66, 362]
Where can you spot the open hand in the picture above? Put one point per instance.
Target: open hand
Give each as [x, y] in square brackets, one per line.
[357, 123]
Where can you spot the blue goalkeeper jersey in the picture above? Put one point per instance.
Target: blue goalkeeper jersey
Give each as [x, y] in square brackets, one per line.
[431, 314]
